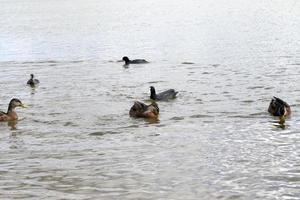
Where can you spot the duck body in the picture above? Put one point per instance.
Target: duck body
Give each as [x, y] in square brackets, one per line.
[163, 96]
[11, 114]
[278, 107]
[141, 110]
[32, 81]
[136, 61]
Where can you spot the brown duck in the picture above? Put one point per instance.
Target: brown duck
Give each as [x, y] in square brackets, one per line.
[279, 108]
[140, 109]
[11, 114]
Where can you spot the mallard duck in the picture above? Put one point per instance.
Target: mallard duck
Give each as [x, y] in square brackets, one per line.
[140, 109]
[166, 95]
[32, 81]
[279, 108]
[136, 61]
[11, 113]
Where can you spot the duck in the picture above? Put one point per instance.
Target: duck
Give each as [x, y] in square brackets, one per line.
[11, 114]
[32, 81]
[136, 61]
[141, 110]
[279, 108]
[163, 96]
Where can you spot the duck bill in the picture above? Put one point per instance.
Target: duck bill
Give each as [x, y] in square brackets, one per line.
[23, 106]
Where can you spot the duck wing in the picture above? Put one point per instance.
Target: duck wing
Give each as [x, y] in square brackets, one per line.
[168, 94]
[3, 116]
[29, 82]
[138, 61]
[138, 109]
[280, 101]
[279, 110]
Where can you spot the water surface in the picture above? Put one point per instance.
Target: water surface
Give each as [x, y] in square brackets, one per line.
[215, 141]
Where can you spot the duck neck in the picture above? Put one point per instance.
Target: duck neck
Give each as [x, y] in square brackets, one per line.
[153, 94]
[11, 112]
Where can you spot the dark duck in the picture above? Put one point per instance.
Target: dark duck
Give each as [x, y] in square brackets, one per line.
[11, 114]
[279, 108]
[32, 81]
[142, 110]
[136, 61]
[162, 96]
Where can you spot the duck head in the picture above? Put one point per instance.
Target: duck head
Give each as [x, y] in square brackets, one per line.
[15, 103]
[126, 60]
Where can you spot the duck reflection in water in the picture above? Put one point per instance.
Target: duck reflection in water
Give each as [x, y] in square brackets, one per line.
[12, 124]
[280, 125]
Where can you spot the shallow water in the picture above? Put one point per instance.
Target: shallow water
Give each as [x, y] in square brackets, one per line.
[215, 141]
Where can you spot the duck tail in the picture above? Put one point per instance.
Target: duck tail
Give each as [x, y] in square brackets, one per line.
[280, 101]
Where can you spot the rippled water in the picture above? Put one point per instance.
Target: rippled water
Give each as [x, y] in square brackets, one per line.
[215, 141]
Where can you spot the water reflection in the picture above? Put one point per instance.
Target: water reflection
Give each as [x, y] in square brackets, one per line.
[152, 120]
[279, 125]
[12, 124]
[33, 90]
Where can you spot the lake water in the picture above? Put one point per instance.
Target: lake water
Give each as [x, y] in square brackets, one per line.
[214, 141]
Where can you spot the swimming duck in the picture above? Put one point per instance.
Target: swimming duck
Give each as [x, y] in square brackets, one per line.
[32, 81]
[279, 108]
[11, 114]
[140, 109]
[136, 61]
[166, 95]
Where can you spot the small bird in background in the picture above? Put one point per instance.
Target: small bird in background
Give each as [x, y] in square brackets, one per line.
[136, 61]
[32, 81]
